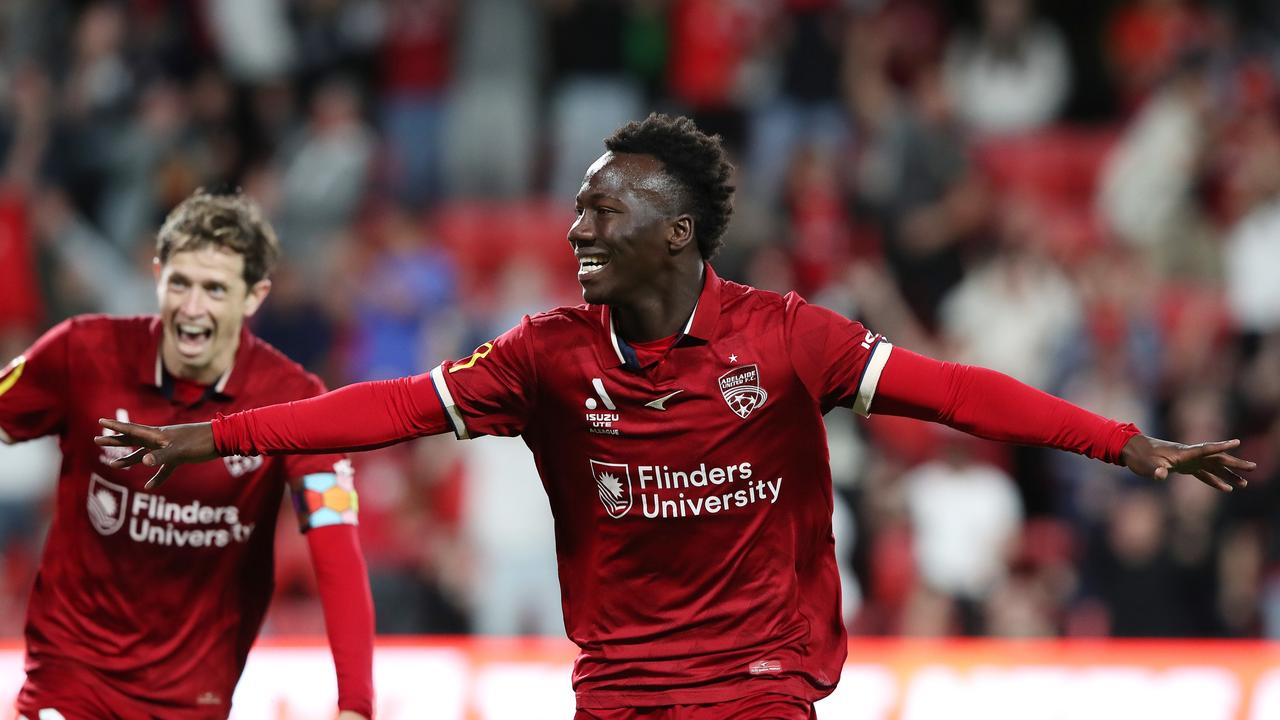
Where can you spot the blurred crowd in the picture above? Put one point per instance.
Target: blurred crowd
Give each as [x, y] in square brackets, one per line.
[1083, 195]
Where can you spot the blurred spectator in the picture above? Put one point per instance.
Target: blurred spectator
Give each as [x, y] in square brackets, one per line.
[416, 71]
[1013, 312]
[1148, 191]
[1012, 74]
[1253, 244]
[1146, 591]
[1144, 39]
[489, 135]
[400, 300]
[709, 70]
[253, 38]
[506, 523]
[21, 307]
[912, 176]
[325, 170]
[590, 94]
[964, 517]
[805, 114]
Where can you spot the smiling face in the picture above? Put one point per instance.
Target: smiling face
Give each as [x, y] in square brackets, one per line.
[627, 236]
[204, 301]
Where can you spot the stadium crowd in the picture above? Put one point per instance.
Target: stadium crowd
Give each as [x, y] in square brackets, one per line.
[1085, 196]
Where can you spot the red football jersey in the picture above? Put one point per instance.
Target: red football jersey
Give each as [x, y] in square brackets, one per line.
[691, 495]
[158, 593]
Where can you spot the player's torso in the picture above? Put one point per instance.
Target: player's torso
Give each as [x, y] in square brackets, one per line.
[681, 489]
[203, 511]
[152, 585]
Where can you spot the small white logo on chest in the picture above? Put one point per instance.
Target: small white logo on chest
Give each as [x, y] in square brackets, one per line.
[239, 465]
[661, 403]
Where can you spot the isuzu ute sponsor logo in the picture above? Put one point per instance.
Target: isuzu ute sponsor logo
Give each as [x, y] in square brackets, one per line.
[613, 483]
[741, 389]
[667, 492]
[601, 423]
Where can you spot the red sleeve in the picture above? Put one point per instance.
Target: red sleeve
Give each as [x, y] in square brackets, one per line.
[838, 360]
[994, 406]
[491, 391]
[33, 387]
[348, 612]
[356, 417]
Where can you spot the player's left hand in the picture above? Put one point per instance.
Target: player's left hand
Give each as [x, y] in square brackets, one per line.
[351, 715]
[163, 448]
[1209, 462]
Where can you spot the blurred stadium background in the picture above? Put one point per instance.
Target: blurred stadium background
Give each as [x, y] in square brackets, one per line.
[1083, 195]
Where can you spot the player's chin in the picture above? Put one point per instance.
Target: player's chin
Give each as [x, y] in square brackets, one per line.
[595, 293]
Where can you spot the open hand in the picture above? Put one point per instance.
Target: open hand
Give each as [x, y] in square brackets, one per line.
[1209, 462]
[163, 448]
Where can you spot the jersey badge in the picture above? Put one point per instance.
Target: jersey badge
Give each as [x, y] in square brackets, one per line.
[239, 465]
[106, 504]
[741, 390]
[613, 484]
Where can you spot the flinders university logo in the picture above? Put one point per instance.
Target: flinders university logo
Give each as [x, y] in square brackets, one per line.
[106, 505]
[613, 483]
[741, 389]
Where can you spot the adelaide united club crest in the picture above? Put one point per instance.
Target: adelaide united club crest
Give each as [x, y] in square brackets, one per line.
[741, 389]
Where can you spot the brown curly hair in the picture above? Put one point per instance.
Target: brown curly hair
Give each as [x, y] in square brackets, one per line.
[231, 221]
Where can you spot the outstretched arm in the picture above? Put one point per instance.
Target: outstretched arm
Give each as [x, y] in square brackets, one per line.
[343, 584]
[356, 417]
[995, 406]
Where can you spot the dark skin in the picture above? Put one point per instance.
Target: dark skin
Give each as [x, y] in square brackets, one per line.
[629, 215]
[626, 214]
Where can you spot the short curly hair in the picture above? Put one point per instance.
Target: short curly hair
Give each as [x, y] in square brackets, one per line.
[695, 160]
[230, 221]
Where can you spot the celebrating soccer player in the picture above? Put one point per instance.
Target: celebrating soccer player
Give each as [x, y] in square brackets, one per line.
[676, 420]
[147, 600]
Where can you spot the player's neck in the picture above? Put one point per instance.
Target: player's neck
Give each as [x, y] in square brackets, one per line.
[662, 311]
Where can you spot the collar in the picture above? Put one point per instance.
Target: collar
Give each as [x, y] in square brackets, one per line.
[614, 351]
[229, 384]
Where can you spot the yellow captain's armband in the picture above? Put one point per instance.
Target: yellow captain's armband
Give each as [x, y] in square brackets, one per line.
[481, 352]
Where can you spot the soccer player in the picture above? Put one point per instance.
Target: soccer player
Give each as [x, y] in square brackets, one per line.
[676, 421]
[147, 601]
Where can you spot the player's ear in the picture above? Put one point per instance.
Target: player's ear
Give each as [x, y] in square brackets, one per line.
[680, 234]
[257, 294]
[157, 267]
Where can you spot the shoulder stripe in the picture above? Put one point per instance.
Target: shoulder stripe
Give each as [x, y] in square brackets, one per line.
[12, 373]
[871, 377]
[450, 407]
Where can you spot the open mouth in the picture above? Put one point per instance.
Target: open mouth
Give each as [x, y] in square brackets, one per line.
[591, 265]
[193, 337]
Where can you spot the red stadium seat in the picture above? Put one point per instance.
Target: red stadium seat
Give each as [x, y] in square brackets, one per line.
[486, 238]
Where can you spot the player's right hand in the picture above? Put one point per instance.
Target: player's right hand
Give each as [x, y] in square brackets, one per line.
[163, 448]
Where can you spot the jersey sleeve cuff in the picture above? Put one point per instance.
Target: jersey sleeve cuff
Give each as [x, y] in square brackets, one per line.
[1120, 437]
[871, 377]
[451, 411]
